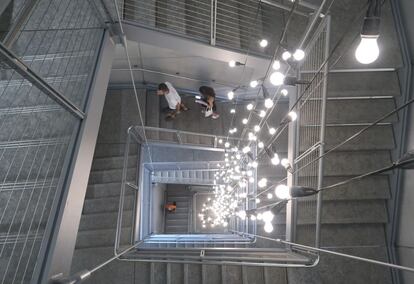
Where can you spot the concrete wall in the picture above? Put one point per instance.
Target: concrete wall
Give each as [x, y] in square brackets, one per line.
[405, 241]
[158, 200]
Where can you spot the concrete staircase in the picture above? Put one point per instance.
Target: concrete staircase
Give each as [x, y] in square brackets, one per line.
[179, 221]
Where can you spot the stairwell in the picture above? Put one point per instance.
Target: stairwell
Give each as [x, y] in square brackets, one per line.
[178, 222]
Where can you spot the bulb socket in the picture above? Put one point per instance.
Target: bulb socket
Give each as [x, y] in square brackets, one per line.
[371, 27]
[301, 191]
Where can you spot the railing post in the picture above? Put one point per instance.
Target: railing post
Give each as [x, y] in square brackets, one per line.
[213, 21]
[322, 133]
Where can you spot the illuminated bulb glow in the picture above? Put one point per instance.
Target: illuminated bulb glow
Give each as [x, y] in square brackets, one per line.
[293, 116]
[232, 110]
[275, 160]
[276, 65]
[232, 63]
[260, 145]
[284, 92]
[220, 141]
[282, 191]
[254, 83]
[367, 51]
[269, 196]
[254, 164]
[249, 106]
[262, 182]
[277, 78]
[263, 43]
[227, 144]
[299, 55]
[268, 227]
[256, 128]
[262, 113]
[267, 216]
[245, 121]
[268, 103]
[230, 95]
[257, 202]
[272, 131]
[285, 163]
[286, 55]
[246, 149]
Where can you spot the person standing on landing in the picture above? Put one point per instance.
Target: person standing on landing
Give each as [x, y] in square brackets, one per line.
[209, 97]
[173, 99]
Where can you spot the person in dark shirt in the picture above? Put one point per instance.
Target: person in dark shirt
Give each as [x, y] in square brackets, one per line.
[209, 97]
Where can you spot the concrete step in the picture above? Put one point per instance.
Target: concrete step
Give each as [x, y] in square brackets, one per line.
[375, 138]
[103, 150]
[101, 238]
[111, 176]
[343, 235]
[101, 190]
[345, 212]
[350, 111]
[105, 220]
[107, 204]
[111, 163]
[363, 84]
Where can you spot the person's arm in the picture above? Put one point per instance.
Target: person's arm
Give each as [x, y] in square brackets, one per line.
[160, 93]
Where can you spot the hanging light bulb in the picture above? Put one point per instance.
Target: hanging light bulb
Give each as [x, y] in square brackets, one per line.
[220, 141]
[251, 179]
[227, 144]
[249, 106]
[269, 196]
[276, 65]
[254, 164]
[286, 55]
[253, 217]
[367, 51]
[267, 216]
[230, 95]
[257, 202]
[260, 145]
[268, 227]
[246, 150]
[293, 116]
[277, 78]
[245, 121]
[263, 43]
[299, 55]
[284, 92]
[256, 128]
[254, 83]
[232, 110]
[272, 131]
[232, 63]
[268, 103]
[262, 113]
[262, 182]
[282, 191]
[285, 163]
[275, 160]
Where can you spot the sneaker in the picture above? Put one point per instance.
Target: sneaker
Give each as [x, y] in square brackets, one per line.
[215, 116]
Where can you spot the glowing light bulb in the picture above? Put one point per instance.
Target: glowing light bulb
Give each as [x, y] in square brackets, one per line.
[245, 121]
[249, 106]
[268, 227]
[299, 55]
[263, 43]
[262, 182]
[257, 202]
[252, 217]
[220, 141]
[246, 149]
[230, 95]
[254, 164]
[286, 55]
[256, 128]
[267, 216]
[269, 196]
[254, 83]
[276, 65]
[242, 214]
[285, 163]
[293, 116]
[275, 160]
[272, 131]
[232, 63]
[367, 51]
[268, 103]
[260, 145]
[232, 110]
[282, 191]
[277, 78]
[227, 144]
[251, 179]
[284, 92]
[262, 113]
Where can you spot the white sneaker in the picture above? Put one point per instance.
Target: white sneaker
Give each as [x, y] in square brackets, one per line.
[215, 116]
